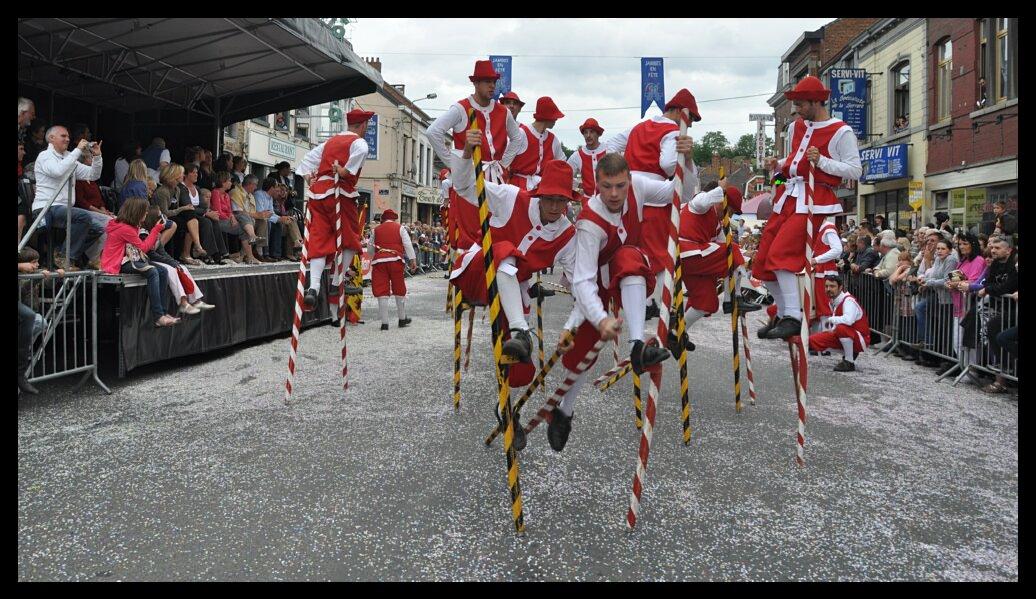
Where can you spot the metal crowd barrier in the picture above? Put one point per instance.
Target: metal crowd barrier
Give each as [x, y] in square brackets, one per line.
[67, 342]
[892, 315]
[984, 353]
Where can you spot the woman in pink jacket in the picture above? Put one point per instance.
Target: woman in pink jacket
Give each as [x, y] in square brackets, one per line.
[123, 247]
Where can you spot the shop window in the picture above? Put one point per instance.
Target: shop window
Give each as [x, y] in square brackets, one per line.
[262, 120]
[943, 78]
[900, 117]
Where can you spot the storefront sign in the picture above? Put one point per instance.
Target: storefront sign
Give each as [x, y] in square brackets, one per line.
[849, 98]
[884, 163]
[974, 205]
[409, 189]
[428, 195]
[916, 200]
[282, 149]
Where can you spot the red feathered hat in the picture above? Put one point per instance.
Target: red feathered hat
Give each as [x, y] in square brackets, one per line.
[357, 116]
[809, 89]
[513, 96]
[591, 124]
[484, 70]
[389, 214]
[555, 181]
[734, 198]
[546, 110]
[684, 99]
[444, 173]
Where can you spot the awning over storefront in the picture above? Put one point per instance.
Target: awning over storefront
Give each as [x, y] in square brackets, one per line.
[226, 69]
[758, 205]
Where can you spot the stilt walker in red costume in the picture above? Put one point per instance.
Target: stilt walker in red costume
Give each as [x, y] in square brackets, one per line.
[389, 245]
[584, 160]
[650, 150]
[530, 233]
[501, 137]
[830, 145]
[539, 145]
[847, 329]
[333, 169]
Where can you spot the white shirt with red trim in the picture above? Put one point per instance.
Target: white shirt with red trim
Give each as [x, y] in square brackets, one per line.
[454, 120]
[577, 158]
[357, 154]
[408, 248]
[844, 162]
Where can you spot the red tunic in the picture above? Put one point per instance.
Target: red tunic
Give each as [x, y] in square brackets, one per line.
[388, 243]
[322, 195]
[803, 136]
[588, 170]
[463, 215]
[494, 138]
[645, 145]
[530, 162]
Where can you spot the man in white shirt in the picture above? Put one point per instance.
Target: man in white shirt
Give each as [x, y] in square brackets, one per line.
[52, 167]
[584, 160]
[847, 329]
[502, 139]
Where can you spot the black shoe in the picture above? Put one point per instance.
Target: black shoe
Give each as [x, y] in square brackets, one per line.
[519, 346]
[309, 302]
[23, 384]
[384, 326]
[351, 290]
[787, 327]
[644, 356]
[446, 275]
[674, 345]
[558, 429]
[814, 352]
[743, 307]
[536, 290]
[766, 328]
[404, 323]
[651, 312]
[845, 366]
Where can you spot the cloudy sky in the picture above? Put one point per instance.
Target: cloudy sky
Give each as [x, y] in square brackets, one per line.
[590, 67]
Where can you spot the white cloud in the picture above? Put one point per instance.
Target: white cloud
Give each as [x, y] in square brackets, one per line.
[593, 64]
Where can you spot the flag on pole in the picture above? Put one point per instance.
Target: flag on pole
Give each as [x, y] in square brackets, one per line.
[502, 65]
[652, 84]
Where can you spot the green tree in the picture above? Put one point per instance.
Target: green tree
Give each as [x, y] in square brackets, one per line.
[713, 141]
[745, 146]
[567, 151]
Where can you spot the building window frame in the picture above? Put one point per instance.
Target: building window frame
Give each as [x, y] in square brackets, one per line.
[899, 95]
[944, 79]
[997, 58]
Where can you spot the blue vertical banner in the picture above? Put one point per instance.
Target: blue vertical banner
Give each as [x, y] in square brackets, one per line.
[652, 84]
[849, 98]
[371, 137]
[502, 65]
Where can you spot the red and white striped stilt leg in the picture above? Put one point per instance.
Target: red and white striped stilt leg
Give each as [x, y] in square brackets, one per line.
[339, 284]
[297, 320]
[646, 435]
[560, 392]
[748, 360]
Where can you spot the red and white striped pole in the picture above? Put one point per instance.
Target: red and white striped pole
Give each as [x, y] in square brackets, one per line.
[748, 360]
[560, 392]
[297, 321]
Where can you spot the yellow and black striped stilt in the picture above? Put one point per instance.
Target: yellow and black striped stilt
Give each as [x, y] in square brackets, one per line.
[355, 302]
[504, 403]
[458, 309]
[539, 316]
[729, 233]
[638, 405]
[681, 330]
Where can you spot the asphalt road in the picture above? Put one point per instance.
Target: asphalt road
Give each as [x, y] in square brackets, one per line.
[197, 470]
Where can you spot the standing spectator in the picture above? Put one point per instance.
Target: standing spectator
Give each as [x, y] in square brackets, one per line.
[179, 210]
[26, 113]
[1000, 280]
[284, 177]
[904, 302]
[243, 202]
[137, 183]
[155, 157]
[866, 257]
[879, 222]
[124, 247]
[52, 168]
[233, 222]
[889, 251]
[28, 319]
[936, 298]
[971, 267]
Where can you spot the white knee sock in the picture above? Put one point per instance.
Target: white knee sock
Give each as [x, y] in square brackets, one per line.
[847, 349]
[347, 260]
[568, 402]
[790, 291]
[634, 302]
[511, 296]
[775, 292]
[656, 293]
[400, 303]
[316, 270]
[691, 316]
[383, 309]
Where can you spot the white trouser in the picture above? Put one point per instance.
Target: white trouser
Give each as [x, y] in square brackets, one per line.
[176, 287]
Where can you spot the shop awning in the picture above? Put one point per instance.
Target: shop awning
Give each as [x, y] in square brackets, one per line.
[227, 69]
[759, 205]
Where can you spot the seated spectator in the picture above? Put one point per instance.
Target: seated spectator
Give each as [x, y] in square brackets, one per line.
[52, 169]
[212, 247]
[169, 199]
[36, 143]
[936, 299]
[136, 183]
[243, 203]
[230, 222]
[24, 203]
[183, 286]
[130, 152]
[288, 224]
[239, 170]
[155, 157]
[30, 324]
[264, 205]
[206, 176]
[206, 210]
[125, 252]
[282, 174]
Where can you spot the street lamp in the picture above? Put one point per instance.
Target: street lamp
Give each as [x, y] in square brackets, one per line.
[430, 96]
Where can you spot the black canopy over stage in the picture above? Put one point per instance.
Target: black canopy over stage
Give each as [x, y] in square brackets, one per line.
[182, 79]
[252, 302]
